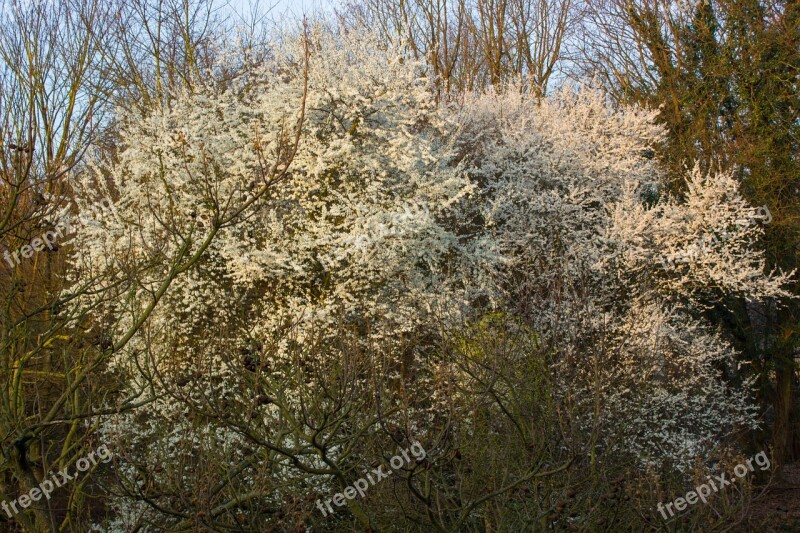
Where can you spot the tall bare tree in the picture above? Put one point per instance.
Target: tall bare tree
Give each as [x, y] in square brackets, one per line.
[473, 44]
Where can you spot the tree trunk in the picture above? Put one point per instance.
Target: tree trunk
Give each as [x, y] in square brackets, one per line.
[784, 434]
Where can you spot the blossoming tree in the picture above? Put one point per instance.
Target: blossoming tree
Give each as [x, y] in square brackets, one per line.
[272, 299]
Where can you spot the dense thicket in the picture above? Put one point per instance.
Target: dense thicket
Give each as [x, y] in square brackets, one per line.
[550, 244]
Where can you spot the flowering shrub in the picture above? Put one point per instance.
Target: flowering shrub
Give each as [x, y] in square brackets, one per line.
[278, 269]
[236, 301]
[572, 227]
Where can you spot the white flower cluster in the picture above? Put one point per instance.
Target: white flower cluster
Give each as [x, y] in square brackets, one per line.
[573, 226]
[712, 206]
[513, 199]
[369, 189]
[698, 251]
[380, 226]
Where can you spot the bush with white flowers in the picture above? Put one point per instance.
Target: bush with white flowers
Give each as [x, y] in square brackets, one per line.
[234, 233]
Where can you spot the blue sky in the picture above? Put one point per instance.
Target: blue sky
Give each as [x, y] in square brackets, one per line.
[290, 8]
[299, 7]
